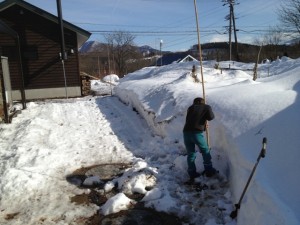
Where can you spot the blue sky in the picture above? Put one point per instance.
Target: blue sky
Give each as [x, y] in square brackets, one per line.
[172, 21]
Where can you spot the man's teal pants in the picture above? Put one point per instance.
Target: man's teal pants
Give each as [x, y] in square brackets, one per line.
[192, 139]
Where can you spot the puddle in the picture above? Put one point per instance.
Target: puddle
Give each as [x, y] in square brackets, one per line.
[92, 197]
[140, 216]
[76, 179]
[105, 172]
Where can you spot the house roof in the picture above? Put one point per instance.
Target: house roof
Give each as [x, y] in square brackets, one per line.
[188, 58]
[82, 35]
[174, 57]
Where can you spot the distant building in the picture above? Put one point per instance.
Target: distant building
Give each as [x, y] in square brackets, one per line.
[170, 58]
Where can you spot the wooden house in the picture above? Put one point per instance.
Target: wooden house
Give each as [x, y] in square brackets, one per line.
[33, 51]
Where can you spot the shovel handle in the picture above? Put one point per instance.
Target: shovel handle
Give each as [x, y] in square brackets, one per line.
[263, 150]
[261, 155]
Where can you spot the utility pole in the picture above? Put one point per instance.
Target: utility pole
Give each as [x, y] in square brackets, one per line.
[108, 59]
[98, 65]
[230, 30]
[235, 30]
[231, 19]
[161, 42]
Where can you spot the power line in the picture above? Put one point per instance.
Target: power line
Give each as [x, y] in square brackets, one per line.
[148, 32]
[184, 32]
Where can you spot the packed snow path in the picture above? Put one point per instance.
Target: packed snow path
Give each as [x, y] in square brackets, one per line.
[185, 201]
[51, 139]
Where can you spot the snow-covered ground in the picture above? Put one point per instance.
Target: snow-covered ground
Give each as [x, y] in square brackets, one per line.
[142, 125]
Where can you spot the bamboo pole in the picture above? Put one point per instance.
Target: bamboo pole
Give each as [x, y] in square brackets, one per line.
[201, 66]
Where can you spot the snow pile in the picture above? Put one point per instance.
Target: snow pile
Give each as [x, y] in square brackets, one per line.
[116, 204]
[112, 79]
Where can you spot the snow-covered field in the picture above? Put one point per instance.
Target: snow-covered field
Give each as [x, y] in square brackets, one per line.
[142, 125]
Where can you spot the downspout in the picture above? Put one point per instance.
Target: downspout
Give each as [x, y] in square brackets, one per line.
[62, 42]
[23, 97]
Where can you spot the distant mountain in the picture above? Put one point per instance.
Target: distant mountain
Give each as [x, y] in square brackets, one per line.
[92, 46]
[147, 49]
[95, 46]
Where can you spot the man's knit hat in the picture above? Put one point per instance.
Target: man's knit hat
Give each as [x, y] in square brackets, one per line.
[198, 101]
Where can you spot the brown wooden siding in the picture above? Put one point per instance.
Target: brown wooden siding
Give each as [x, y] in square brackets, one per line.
[42, 67]
[14, 65]
[47, 70]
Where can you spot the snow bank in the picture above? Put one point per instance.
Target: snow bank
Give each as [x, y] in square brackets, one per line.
[246, 111]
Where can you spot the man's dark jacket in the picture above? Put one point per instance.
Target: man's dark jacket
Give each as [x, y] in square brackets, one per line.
[197, 115]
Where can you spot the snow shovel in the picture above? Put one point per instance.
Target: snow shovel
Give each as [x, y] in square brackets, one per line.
[262, 154]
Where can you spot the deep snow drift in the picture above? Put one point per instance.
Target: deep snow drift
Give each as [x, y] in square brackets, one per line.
[246, 111]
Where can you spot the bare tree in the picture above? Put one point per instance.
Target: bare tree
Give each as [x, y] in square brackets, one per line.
[289, 15]
[121, 48]
[272, 40]
[94, 62]
[256, 64]
[274, 36]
